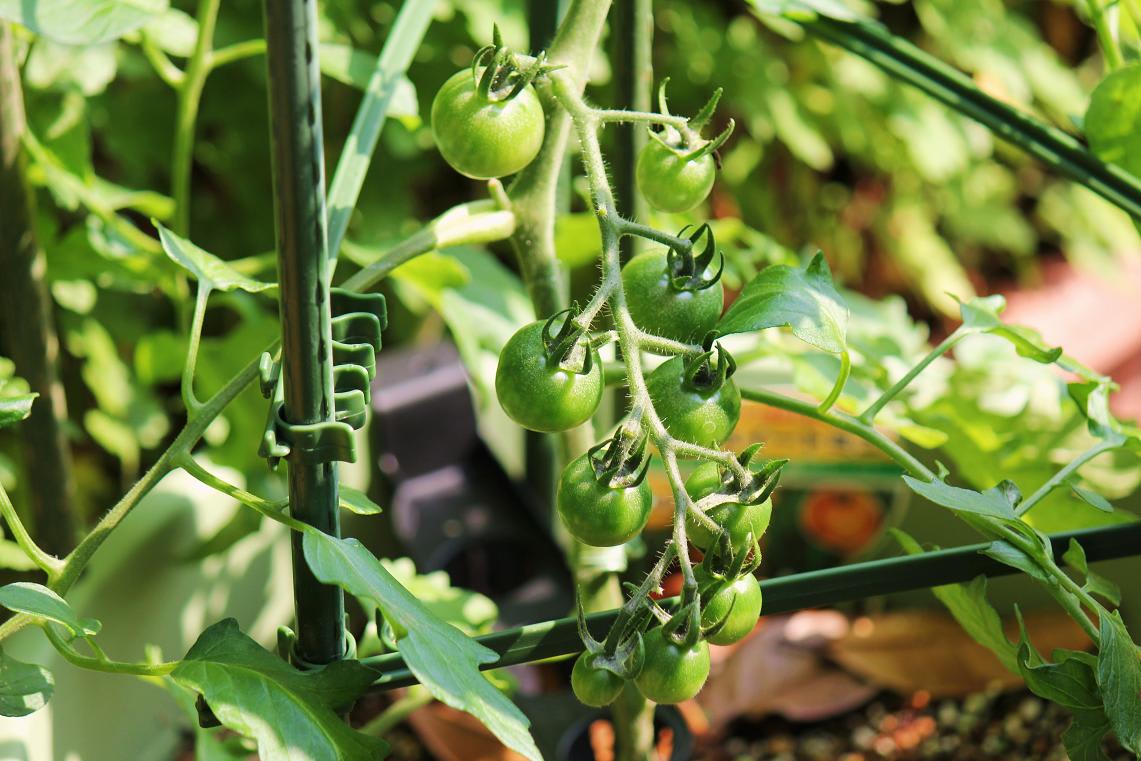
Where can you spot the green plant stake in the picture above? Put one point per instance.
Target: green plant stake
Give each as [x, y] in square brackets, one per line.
[307, 351]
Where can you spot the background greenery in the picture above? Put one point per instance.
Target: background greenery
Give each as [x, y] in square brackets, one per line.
[907, 199]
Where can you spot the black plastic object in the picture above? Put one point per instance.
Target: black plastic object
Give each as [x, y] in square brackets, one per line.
[452, 506]
[575, 742]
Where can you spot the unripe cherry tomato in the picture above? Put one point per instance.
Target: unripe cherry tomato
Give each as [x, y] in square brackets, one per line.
[659, 307]
[594, 686]
[596, 513]
[738, 602]
[537, 392]
[672, 672]
[697, 414]
[671, 182]
[482, 137]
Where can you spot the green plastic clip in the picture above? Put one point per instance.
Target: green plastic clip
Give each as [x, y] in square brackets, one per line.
[356, 326]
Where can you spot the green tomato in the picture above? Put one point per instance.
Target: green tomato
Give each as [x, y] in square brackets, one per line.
[739, 520]
[596, 513]
[699, 415]
[536, 392]
[484, 138]
[669, 181]
[672, 672]
[658, 307]
[594, 686]
[738, 602]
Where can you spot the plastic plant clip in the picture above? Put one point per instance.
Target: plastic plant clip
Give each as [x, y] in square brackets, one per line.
[357, 324]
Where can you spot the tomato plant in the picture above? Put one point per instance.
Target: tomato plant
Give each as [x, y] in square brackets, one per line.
[552, 287]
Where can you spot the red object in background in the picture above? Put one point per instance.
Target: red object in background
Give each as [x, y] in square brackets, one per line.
[1095, 318]
[841, 521]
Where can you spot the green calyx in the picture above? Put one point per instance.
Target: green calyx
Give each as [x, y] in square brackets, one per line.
[690, 146]
[764, 479]
[622, 653]
[620, 462]
[687, 269]
[497, 71]
[705, 374]
[569, 348]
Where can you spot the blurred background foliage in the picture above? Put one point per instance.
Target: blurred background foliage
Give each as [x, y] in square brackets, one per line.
[904, 196]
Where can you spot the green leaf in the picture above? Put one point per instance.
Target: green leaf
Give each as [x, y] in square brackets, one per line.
[1095, 584]
[209, 270]
[24, 687]
[1092, 398]
[81, 22]
[39, 601]
[803, 299]
[981, 315]
[1113, 119]
[290, 713]
[1091, 498]
[15, 408]
[469, 611]
[1006, 553]
[174, 31]
[1071, 682]
[1083, 738]
[969, 605]
[353, 67]
[357, 501]
[381, 93]
[805, 9]
[991, 503]
[14, 558]
[444, 659]
[1119, 675]
[88, 69]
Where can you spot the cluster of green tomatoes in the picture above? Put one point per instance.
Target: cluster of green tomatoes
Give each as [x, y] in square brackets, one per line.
[489, 122]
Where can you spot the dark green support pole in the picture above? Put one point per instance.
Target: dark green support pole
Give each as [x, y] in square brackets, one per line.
[632, 53]
[307, 360]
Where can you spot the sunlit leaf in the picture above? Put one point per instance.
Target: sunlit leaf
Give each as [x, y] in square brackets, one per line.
[357, 501]
[209, 270]
[1113, 120]
[981, 315]
[15, 408]
[292, 714]
[81, 22]
[24, 687]
[1119, 675]
[991, 503]
[803, 299]
[39, 601]
[443, 659]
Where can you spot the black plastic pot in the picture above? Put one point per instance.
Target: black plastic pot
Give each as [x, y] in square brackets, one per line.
[575, 742]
